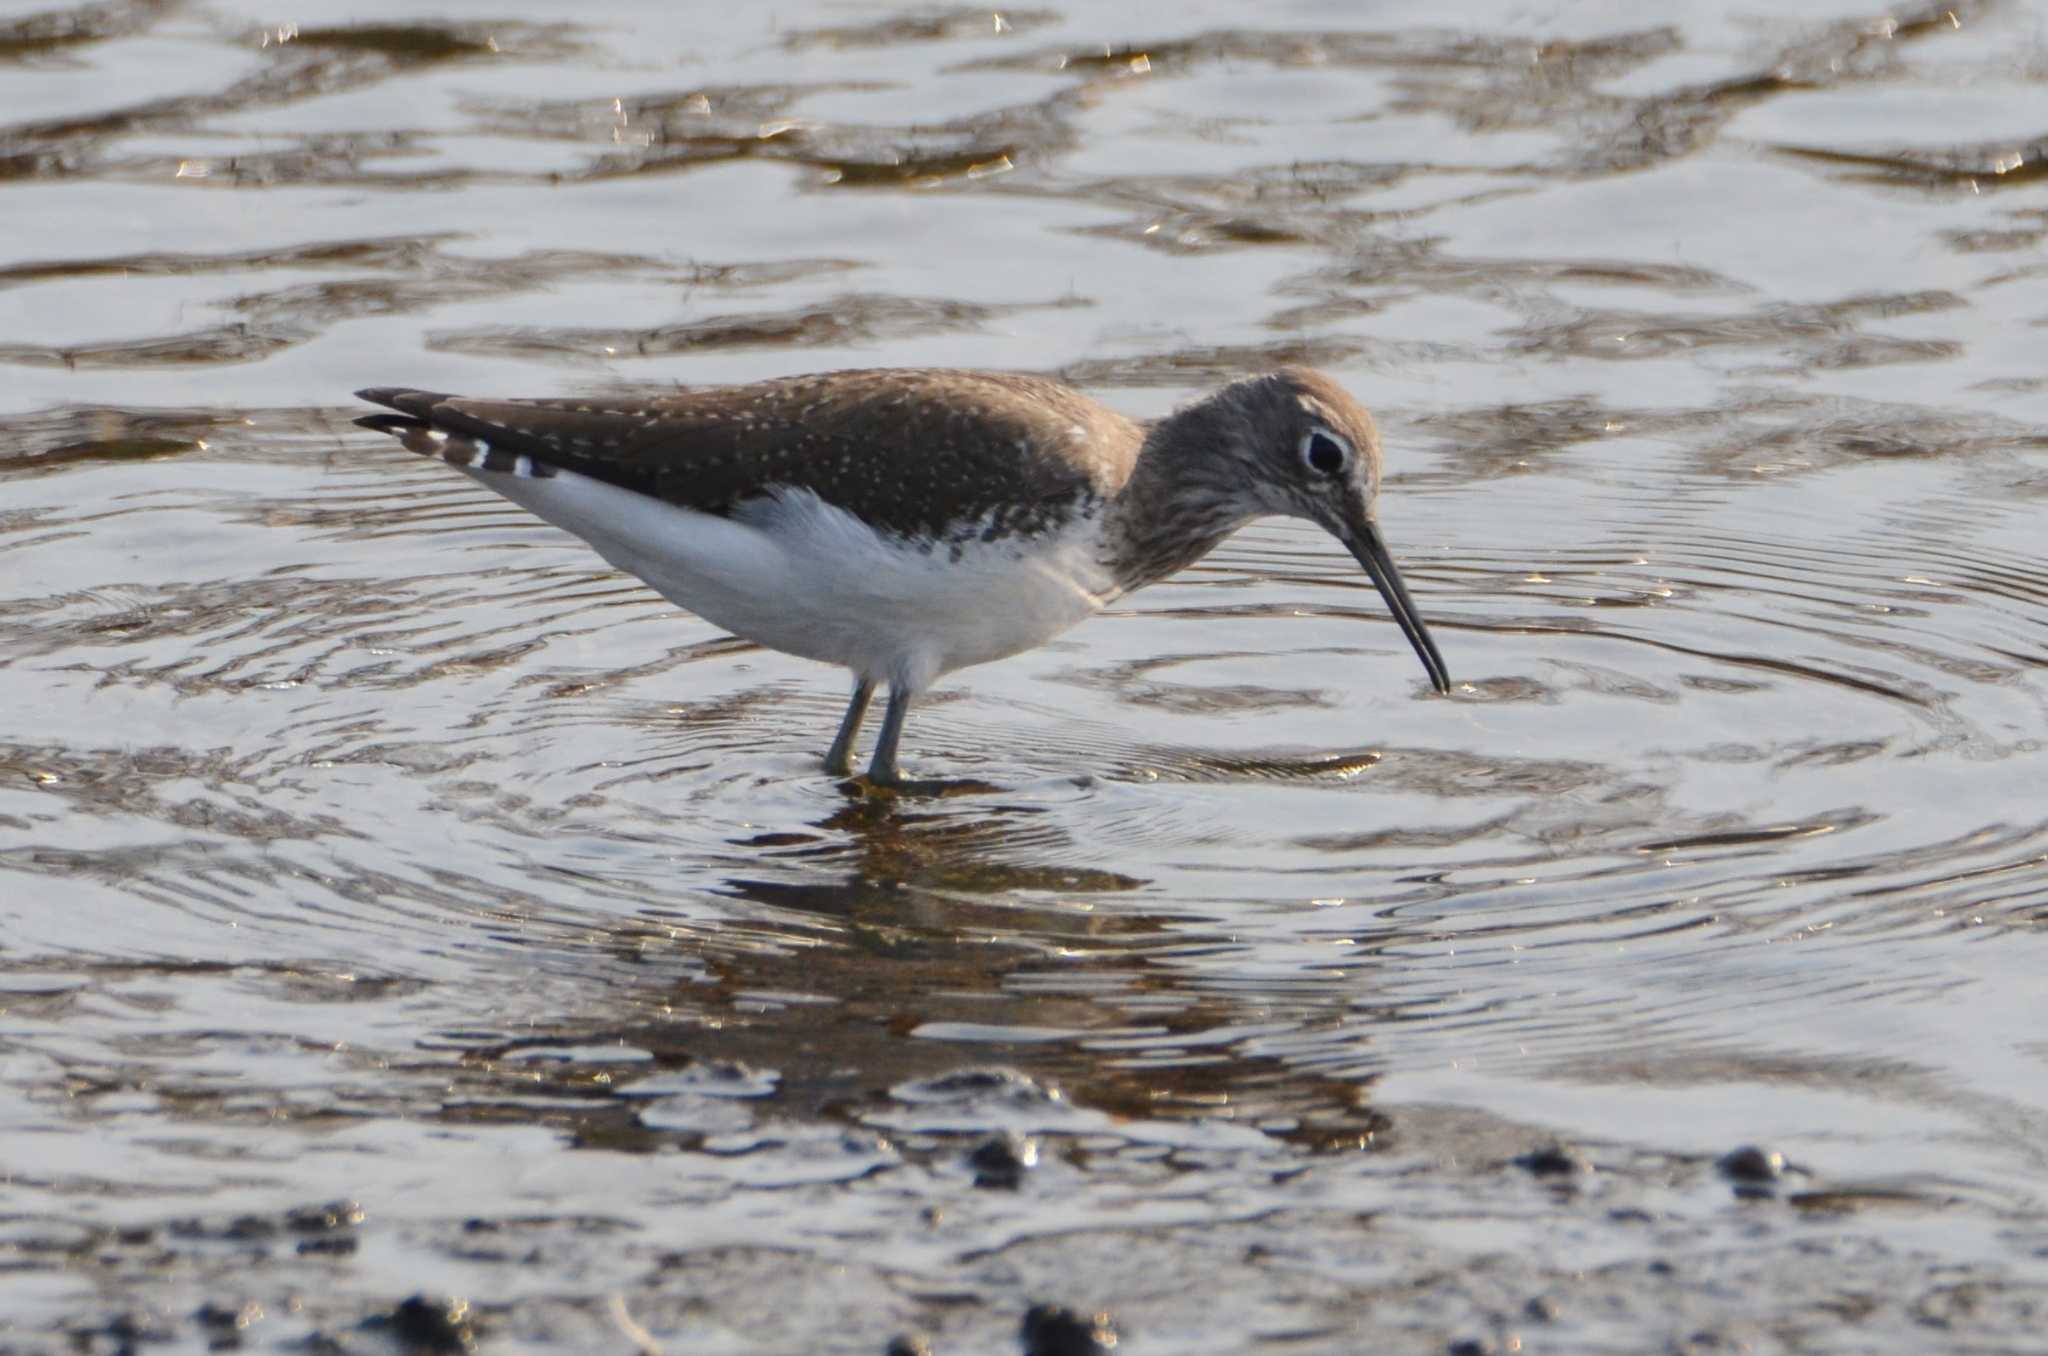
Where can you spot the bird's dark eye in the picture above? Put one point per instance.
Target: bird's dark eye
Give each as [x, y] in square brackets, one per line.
[1325, 453]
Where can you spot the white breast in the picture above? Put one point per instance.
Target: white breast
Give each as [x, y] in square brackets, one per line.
[796, 574]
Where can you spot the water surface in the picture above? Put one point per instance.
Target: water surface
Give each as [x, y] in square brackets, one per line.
[395, 902]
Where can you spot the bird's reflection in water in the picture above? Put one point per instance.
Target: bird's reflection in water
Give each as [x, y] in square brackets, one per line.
[939, 951]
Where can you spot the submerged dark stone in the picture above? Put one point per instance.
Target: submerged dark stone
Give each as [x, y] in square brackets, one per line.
[1751, 1165]
[1553, 1160]
[1054, 1330]
[1000, 1161]
[423, 1327]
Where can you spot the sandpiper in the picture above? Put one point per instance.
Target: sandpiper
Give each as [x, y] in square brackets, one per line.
[908, 522]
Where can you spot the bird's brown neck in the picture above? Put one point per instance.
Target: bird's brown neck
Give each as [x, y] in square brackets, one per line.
[1186, 493]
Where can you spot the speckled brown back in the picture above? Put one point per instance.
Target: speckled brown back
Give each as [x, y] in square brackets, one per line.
[918, 452]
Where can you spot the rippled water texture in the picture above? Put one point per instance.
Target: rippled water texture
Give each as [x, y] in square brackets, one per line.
[413, 934]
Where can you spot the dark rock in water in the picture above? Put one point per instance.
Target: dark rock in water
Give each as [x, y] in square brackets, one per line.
[1053, 1330]
[211, 1315]
[423, 1327]
[1553, 1160]
[324, 1218]
[1472, 1346]
[224, 1325]
[1751, 1166]
[240, 1229]
[1000, 1161]
[908, 1344]
[343, 1246]
[129, 1332]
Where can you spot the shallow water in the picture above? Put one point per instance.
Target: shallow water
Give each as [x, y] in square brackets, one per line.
[395, 902]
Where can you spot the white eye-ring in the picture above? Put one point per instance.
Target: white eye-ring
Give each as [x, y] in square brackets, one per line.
[1324, 452]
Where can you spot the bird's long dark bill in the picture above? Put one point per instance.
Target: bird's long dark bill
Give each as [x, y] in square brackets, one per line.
[1363, 537]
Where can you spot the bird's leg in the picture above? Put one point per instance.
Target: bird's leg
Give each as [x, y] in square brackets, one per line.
[839, 758]
[882, 767]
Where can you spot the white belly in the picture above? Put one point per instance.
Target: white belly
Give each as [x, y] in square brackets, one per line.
[796, 574]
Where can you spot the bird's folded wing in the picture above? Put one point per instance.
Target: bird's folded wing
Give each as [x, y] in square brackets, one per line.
[922, 453]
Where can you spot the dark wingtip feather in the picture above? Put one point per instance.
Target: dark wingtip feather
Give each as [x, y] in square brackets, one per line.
[397, 425]
[404, 399]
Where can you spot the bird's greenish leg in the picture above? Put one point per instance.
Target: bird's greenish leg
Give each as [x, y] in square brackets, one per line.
[882, 770]
[839, 758]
